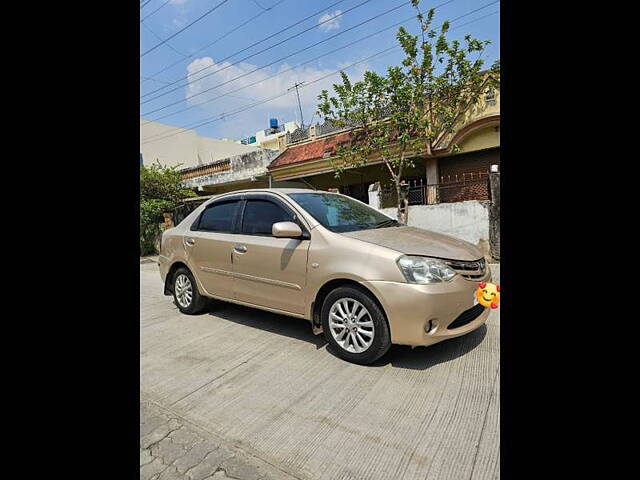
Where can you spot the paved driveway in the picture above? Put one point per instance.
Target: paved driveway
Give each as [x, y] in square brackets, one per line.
[270, 389]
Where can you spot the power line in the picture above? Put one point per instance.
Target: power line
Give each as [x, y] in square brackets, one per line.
[317, 80]
[476, 19]
[215, 41]
[258, 5]
[474, 11]
[284, 58]
[295, 66]
[153, 79]
[275, 45]
[235, 112]
[342, 32]
[211, 10]
[255, 43]
[282, 71]
[167, 1]
[142, 5]
[158, 37]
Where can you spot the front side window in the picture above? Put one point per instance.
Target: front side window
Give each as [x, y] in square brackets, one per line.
[341, 214]
[218, 218]
[260, 215]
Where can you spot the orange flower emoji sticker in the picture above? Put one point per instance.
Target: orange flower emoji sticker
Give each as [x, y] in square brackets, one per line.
[488, 294]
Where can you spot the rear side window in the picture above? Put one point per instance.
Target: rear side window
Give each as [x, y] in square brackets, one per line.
[219, 218]
[260, 215]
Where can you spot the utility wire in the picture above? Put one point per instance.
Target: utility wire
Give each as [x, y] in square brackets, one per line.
[226, 115]
[158, 37]
[167, 1]
[152, 79]
[255, 43]
[142, 5]
[474, 11]
[272, 46]
[211, 10]
[215, 41]
[258, 5]
[235, 112]
[284, 58]
[476, 19]
[282, 71]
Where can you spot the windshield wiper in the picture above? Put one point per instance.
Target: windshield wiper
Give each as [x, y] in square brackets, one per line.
[387, 223]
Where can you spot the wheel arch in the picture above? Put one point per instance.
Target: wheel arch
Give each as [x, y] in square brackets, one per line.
[330, 285]
[168, 281]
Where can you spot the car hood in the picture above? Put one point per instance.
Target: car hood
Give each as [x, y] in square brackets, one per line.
[416, 241]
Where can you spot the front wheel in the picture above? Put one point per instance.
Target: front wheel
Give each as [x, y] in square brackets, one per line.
[355, 325]
[186, 294]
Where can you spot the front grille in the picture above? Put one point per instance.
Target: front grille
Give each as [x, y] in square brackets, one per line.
[467, 316]
[474, 270]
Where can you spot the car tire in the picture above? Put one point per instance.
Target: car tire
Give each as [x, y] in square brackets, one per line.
[185, 293]
[365, 336]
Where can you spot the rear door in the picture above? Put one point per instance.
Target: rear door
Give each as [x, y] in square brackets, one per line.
[269, 271]
[209, 244]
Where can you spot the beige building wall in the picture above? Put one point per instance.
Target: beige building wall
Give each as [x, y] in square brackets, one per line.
[186, 149]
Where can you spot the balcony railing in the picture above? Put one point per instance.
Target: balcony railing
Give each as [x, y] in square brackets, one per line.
[216, 167]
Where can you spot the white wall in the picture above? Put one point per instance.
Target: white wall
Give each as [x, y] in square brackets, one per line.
[466, 220]
[187, 149]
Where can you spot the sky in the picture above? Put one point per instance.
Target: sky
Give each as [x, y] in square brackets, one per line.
[203, 77]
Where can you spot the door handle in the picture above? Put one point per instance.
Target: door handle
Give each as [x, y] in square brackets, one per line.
[189, 241]
[240, 248]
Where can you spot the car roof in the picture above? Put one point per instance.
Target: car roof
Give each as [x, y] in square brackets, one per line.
[277, 190]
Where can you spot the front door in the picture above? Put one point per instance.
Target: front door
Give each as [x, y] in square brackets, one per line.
[269, 271]
[209, 248]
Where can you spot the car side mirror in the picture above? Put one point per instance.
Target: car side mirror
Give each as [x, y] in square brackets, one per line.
[286, 230]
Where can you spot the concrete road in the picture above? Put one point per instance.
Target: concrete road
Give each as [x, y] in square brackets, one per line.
[267, 388]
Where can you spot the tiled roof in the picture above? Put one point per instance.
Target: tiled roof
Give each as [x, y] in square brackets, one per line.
[310, 150]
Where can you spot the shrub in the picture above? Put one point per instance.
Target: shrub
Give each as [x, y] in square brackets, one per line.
[161, 191]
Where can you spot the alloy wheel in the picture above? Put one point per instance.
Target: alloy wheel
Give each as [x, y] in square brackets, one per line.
[184, 290]
[351, 325]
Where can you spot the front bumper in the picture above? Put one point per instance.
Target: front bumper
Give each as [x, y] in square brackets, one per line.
[420, 315]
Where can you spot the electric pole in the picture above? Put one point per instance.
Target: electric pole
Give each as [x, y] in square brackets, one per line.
[299, 105]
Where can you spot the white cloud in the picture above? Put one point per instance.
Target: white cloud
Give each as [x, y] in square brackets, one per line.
[181, 19]
[256, 118]
[332, 21]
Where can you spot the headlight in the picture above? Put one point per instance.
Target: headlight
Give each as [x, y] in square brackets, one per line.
[425, 270]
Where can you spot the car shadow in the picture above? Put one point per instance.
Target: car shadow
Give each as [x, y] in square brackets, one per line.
[422, 358]
[400, 356]
[269, 322]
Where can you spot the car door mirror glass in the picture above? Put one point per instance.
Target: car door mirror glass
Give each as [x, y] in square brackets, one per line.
[286, 230]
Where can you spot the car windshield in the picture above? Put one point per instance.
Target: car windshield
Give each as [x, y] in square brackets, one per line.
[339, 213]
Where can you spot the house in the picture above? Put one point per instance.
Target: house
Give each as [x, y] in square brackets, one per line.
[272, 138]
[208, 165]
[160, 142]
[451, 175]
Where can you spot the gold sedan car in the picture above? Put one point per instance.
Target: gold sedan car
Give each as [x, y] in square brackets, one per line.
[355, 274]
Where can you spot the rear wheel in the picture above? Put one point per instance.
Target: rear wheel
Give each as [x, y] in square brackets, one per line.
[186, 294]
[355, 325]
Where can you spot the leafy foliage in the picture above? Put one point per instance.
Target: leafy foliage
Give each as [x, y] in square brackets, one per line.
[414, 107]
[160, 191]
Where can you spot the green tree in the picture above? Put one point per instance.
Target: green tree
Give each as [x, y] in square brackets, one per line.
[161, 191]
[414, 107]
